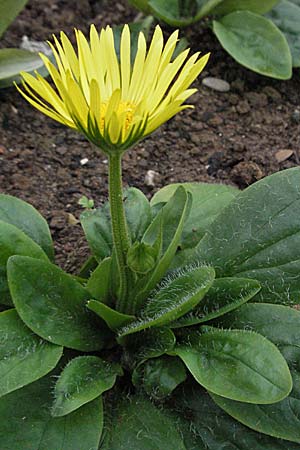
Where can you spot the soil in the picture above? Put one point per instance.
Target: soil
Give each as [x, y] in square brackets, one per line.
[235, 137]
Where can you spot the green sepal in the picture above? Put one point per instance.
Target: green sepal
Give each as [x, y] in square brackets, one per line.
[81, 381]
[53, 305]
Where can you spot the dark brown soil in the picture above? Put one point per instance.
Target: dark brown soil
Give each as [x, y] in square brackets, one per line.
[235, 137]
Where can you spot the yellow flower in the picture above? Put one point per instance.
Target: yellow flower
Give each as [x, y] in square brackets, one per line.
[113, 102]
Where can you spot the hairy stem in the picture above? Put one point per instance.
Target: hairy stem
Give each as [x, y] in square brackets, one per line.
[119, 227]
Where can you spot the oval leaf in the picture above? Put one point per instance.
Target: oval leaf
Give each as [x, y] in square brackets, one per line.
[16, 60]
[99, 282]
[9, 9]
[177, 295]
[26, 422]
[286, 16]
[24, 357]
[256, 43]
[240, 365]
[258, 236]
[82, 380]
[255, 6]
[137, 424]
[52, 304]
[208, 427]
[208, 201]
[226, 294]
[14, 242]
[27, 219]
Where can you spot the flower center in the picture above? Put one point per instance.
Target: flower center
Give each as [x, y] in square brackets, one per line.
[124, 113]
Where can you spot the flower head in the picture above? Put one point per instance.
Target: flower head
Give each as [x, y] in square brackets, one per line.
[112, 101]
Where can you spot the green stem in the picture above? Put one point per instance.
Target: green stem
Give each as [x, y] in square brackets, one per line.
[119, 228]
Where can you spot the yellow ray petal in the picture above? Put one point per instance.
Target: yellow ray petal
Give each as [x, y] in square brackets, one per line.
[112, 60]
[138, 67]
[70, 54]
[125, 61]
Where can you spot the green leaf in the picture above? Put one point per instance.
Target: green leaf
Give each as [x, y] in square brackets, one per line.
[281, 325]
[207, 427]
[9, 9]
[137, 211]
[114, 319]
[15, 60]
[150, 343]
[180, 13]
[286, 16]
[256, 43]
[226, 294]
[82, 380]
[97, 229]
[138, 425]
[258, 236]
[52, 304]
[24, 357]
[177, 295]
[280, 420]
[208, 201]
[98, 284]
[141, 257]
[14, 242]
[26, 422]
[240, 365]
[166, 229]
[27, 219]
[255, 6]
[160, 376]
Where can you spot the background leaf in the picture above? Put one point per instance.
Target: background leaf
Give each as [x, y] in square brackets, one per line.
[286, 16]
[15, 60]
[207, 202]
[24, 357]
[26, 422]
[14, 242]
[256, 43]
[9, 9]
[52, 304]
[255, 6]
[25, 217]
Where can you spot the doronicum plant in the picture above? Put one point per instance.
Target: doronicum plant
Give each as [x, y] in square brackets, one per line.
[178, 333]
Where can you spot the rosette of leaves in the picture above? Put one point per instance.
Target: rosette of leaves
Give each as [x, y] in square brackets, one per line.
[260, 35]
[206, 358]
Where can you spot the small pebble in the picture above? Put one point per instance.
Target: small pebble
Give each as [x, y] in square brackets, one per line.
[296, 116]
[152, 178]
[283, 155]
[216, 84]
[84, 161]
